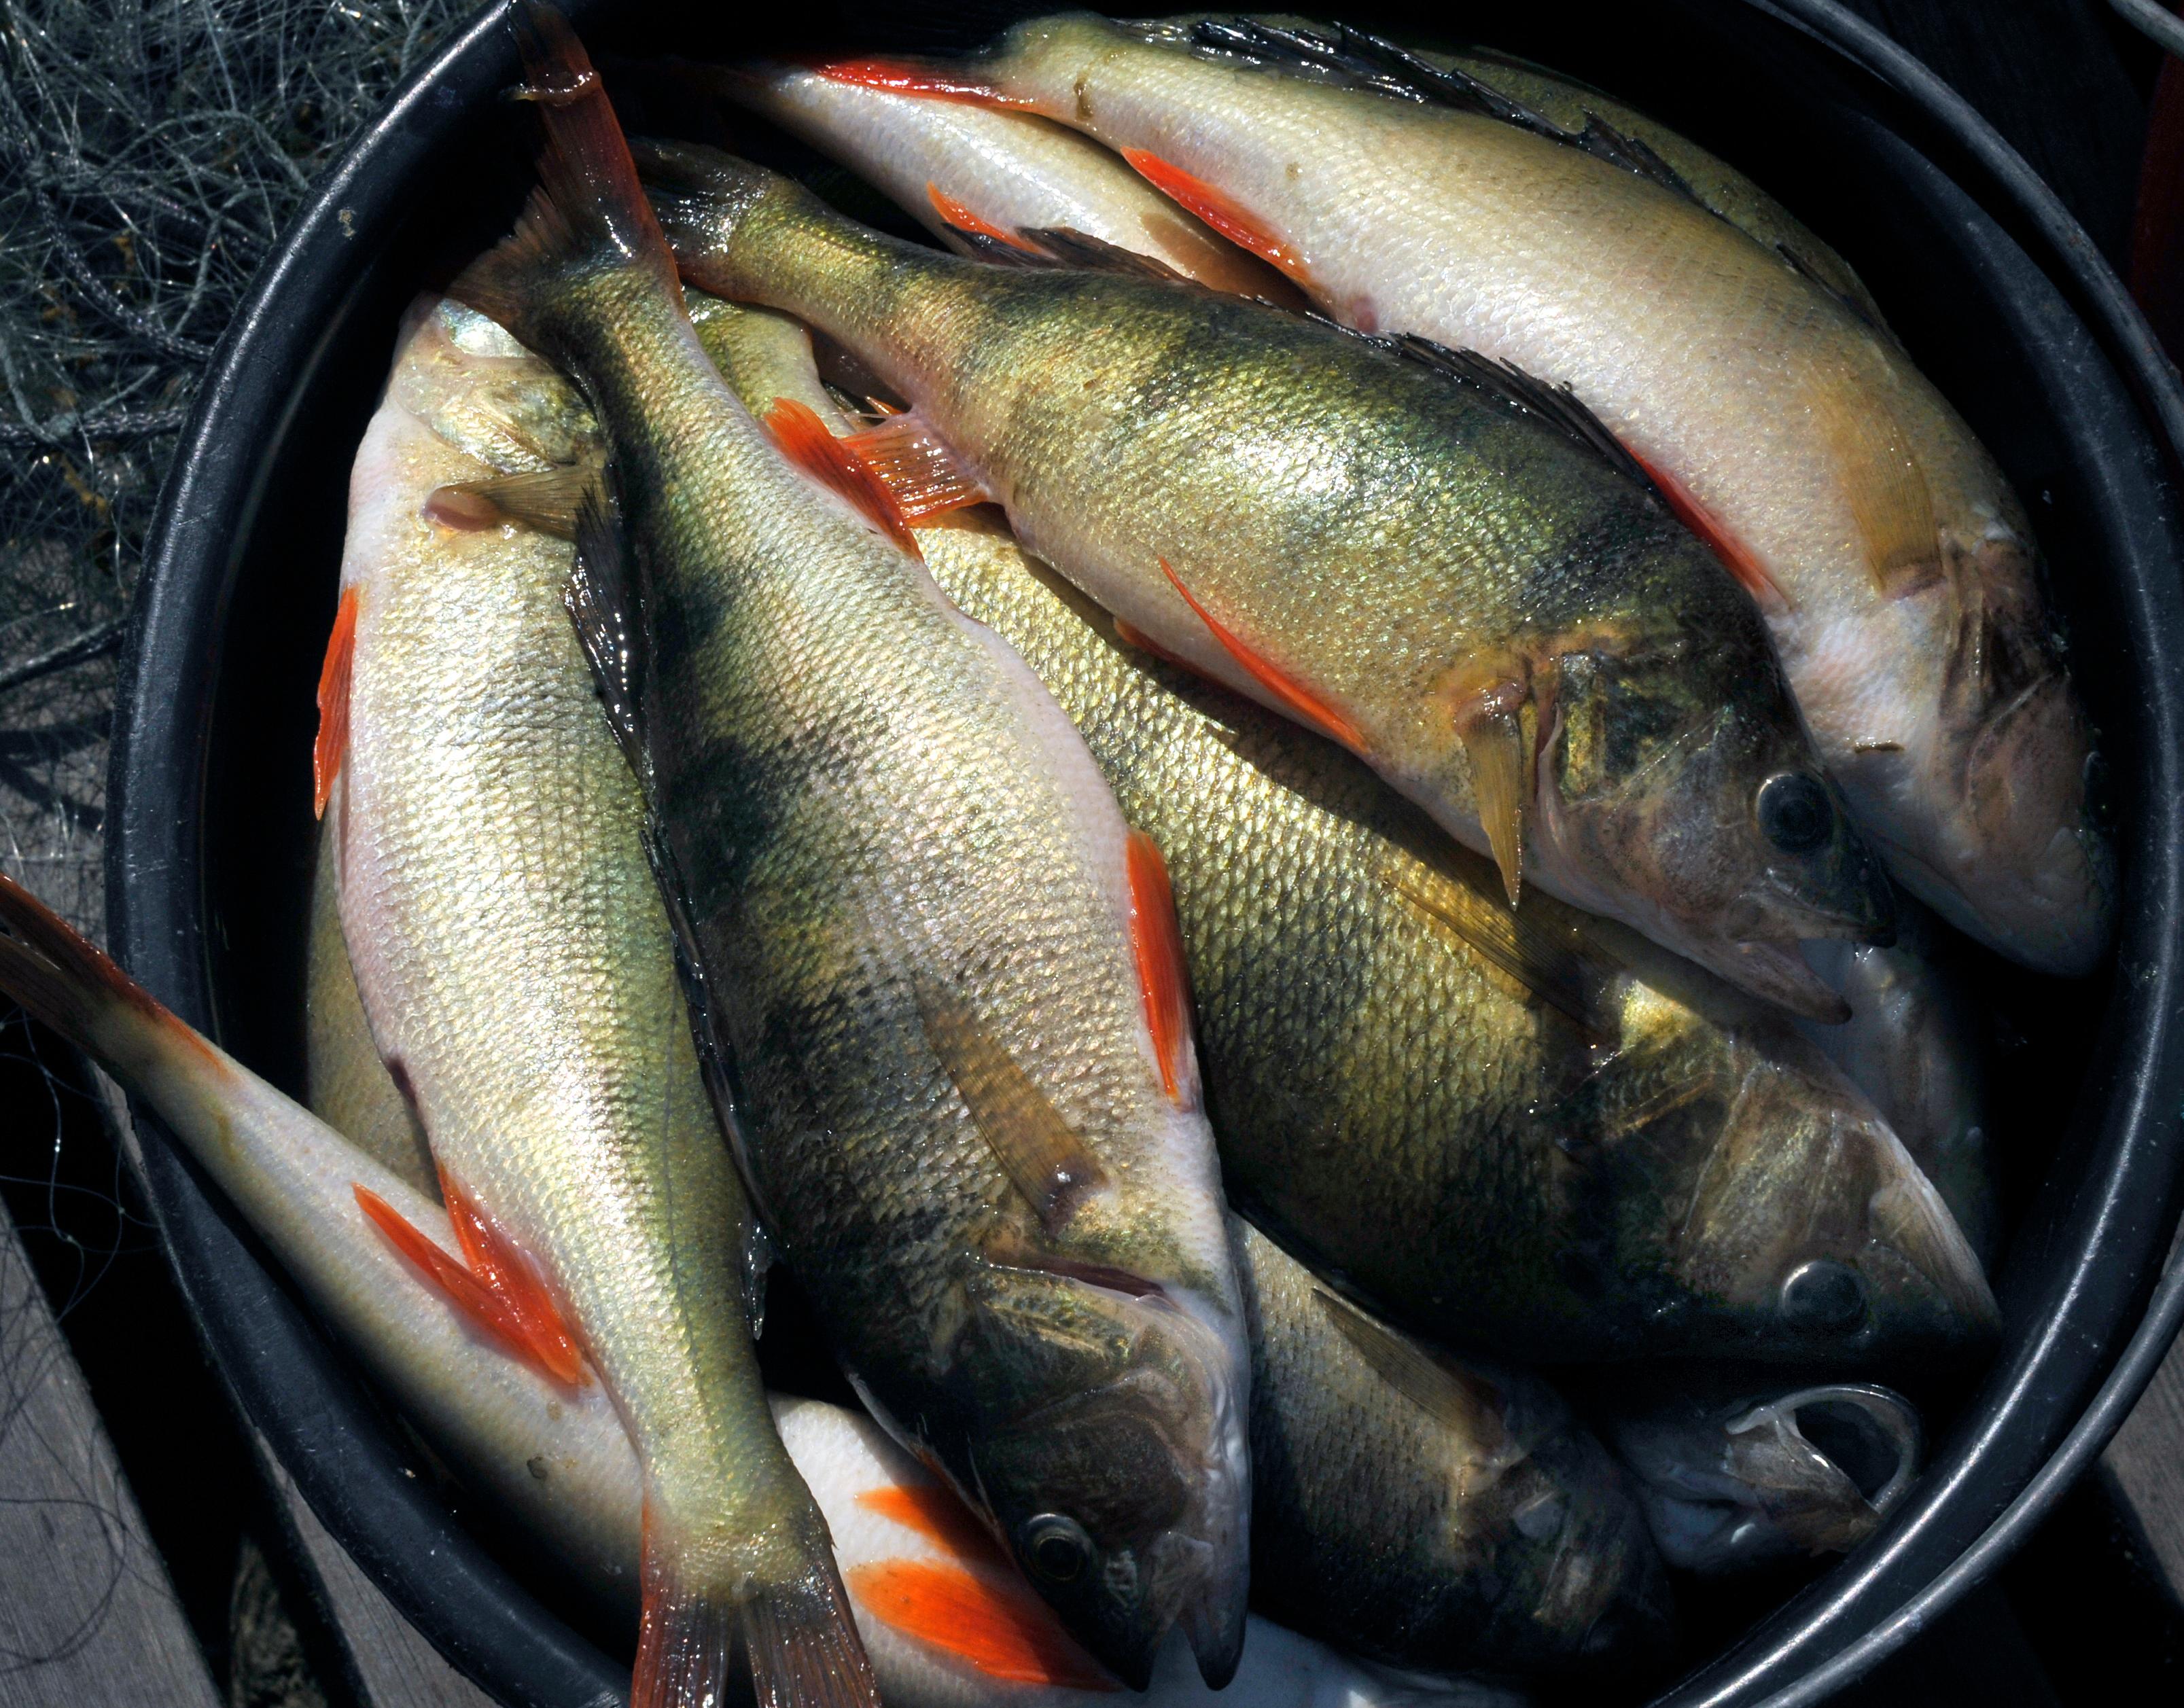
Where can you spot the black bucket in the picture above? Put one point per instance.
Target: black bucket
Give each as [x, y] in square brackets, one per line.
[1996, 292]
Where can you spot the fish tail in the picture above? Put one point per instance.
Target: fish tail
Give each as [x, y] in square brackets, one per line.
[798, 1636]
[699, 197]
[71, 985]
[588, 214]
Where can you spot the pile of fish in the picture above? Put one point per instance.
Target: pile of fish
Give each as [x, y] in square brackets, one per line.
[1260, 840]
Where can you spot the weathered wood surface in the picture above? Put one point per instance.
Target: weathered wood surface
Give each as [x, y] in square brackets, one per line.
[389, 1663]
[87, 1615]
[2144, 1470]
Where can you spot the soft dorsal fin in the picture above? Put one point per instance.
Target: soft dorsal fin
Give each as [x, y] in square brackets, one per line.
[1045, 1158]
[996, 1624]
[1458, 1399]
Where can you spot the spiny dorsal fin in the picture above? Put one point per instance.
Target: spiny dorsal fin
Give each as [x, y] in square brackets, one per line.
[601, 603]
[1044, 1157]
[1385, 67]
[1525, 394]
[1458, 1399]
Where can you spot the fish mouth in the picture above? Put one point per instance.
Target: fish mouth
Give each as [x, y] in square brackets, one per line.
[1907, 1213]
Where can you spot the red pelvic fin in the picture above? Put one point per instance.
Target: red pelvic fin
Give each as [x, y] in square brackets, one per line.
[1299, 701]
[997, 1626]
[935, 1513]
[502, 1267]
[1163, 981]
[332, 747]
[804, 440]
[954, 213]
[1218, 209]
[909, 77]
[486, 1309]
[1737, 558]
[921, 472]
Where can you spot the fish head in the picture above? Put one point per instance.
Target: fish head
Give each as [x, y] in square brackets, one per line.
[1112, 1461]
[1804, 1229]
[2017, 857]
[1703, 818]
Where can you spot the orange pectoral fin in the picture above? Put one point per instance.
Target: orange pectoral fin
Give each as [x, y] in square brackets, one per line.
[803, 439]
[487, 1309]
[922, 473]
[1292, 695]
[999, 1627]
[510, 1276]
[1218, 209]
[1163, 981]
[332, 746]
[954, 213]
[1737, 558]
[908, 77]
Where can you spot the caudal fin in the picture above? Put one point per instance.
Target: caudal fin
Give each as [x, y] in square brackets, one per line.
[72, 986]
[799, 1638]
[588, 215]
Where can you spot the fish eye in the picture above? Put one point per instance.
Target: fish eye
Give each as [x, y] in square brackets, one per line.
[1056, 1547]
[1823, 1294]
[1794, 812]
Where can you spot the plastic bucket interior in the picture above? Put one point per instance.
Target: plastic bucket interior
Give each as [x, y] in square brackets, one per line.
[1997, 293]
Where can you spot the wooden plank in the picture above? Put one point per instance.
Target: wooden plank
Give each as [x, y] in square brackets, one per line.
[87, 1612]
[390, 1664]
[2144, 1469]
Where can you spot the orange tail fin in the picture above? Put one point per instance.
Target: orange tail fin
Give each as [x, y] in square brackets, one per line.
[332, 747]
[1163, 980]
[1301, 702]
[1218, 209]
[997, 1626]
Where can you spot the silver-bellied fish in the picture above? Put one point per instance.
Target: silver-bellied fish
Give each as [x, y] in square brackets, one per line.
[517, 973]
[1408, 194]
[1528, 1128]
[935, 967]
[1440, 565]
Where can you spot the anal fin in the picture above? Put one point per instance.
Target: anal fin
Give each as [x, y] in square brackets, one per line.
[921, 473]
[1163, 981]
[510, 1275]
[1046, 1159]
[958, 218]
[836, 464]
[1287, 691]
[330, 747]
[997, 1626]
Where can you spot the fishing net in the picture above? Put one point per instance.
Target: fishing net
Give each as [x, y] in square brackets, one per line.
[151, 151]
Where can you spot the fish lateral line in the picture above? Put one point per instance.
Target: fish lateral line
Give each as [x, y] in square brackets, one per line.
[837, 465]
[330, 748]
[1163, 976]
[1287, 691]
[1218, 209]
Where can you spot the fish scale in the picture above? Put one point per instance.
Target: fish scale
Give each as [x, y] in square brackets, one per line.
[1405, 549]
[1498, 1124]
[905, 887]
